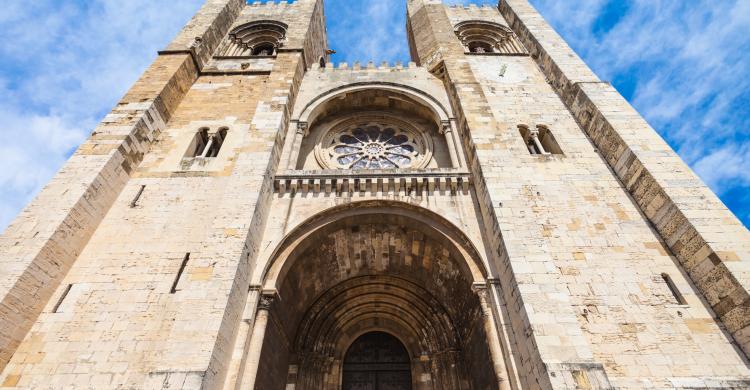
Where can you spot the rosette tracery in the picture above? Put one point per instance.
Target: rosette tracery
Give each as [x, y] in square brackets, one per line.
[374, 145]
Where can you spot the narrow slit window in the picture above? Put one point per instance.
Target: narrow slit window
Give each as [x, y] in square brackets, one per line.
[548, 141]
[62, 298]
[179, 273]
[137, 197]
[216, 141]
[673, 289]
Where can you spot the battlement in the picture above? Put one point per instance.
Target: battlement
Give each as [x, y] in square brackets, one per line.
[486, 12]
[473, 6]
[272, 3]
[369, 66]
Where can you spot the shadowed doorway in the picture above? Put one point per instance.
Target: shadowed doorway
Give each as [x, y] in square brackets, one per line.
[377, 361]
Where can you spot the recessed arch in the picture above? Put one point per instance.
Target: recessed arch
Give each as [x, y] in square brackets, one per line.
[297, 240]
[481, 36]
[261, 37]
[379, 266]
[310, 112]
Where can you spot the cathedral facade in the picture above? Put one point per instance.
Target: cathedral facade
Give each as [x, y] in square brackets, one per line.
[489, 216]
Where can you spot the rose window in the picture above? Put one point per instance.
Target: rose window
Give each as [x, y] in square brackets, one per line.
[374, 146]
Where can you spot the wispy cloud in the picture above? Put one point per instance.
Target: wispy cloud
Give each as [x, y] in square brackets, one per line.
[684, 66]
[367, 30]
[63, 65]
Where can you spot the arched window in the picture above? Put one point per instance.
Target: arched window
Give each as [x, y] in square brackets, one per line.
[487, 37]
[207, 143]
[376, 143]
[261, 38]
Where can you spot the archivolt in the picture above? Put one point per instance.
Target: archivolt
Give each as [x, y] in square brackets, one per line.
[379, 211]
[311, 111]
[254, 37]
[489, 37]
[392, 304]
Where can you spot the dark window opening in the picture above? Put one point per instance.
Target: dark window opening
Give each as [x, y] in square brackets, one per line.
[62, 298]
[265, 49]
[199, 143]
[673, 289]
[480, 47]
[539, 141]
[217, 140]
[179, 273]
[207, 145]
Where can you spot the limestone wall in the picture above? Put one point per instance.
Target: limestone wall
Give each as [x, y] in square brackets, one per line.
[582, 264]
[128, 315]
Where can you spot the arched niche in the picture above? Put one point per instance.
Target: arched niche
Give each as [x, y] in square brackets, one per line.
[378, 267]
[258, 38]
[484, 37]
[409, 111]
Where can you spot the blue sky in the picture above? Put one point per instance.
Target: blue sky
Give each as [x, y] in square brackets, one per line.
[685, 65]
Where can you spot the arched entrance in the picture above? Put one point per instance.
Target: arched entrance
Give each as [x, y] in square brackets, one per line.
[369, 270]
[377, 361]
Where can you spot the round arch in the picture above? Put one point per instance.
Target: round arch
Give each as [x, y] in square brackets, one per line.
[436, 226]
[379, 265]
[313, 108]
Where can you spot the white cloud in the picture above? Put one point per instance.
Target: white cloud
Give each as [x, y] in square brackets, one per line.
[726, 167]
[688, 64]
[63, 66]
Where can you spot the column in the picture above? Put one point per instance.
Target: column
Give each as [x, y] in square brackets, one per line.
[256, 341]
[450, 139]
[493, 341]
[292, 154]
[244, 334]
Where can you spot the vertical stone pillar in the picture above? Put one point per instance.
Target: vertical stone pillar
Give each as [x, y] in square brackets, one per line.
[453, 146]
[244, 334]
[293, 146]
[255, 348]
[493, 341]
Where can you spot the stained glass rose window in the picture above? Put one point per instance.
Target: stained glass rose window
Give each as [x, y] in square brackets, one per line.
[374, 145]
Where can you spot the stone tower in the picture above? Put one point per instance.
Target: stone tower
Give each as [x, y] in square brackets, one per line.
[489, 216]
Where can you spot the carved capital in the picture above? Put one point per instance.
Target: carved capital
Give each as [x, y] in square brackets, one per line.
[265, 302]
[302, 128]
[484, 299]
[445, 127]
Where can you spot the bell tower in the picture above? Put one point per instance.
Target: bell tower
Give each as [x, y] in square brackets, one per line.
[171, 193]
[490, 215]
[530, 113]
